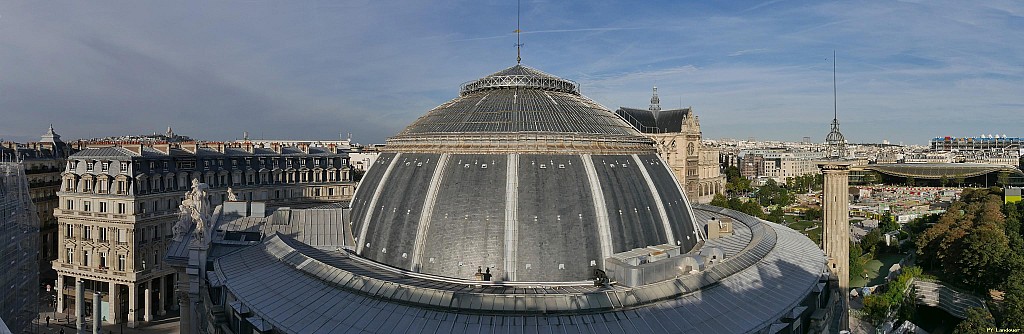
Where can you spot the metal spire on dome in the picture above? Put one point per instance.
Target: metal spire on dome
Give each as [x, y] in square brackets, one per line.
[835, 141]
[519, 58]
[655, 101]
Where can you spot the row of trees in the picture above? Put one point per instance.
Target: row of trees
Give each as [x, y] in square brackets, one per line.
[749, 207]
[977, 244]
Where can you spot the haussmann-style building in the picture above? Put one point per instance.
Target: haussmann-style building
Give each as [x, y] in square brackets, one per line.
[119, 201]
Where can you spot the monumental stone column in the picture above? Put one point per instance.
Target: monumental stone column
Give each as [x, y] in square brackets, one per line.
[836, 228]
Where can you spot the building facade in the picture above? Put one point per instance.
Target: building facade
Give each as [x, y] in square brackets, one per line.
[118, 203]
[43, 162]
[18, 229]
[677, 136]
[778, 164]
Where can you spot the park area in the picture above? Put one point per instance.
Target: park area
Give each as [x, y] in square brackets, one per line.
[876, 270]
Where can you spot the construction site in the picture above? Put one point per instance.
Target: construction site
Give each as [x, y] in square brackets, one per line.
[19, 232]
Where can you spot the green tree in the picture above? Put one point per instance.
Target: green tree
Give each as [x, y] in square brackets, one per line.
[720, 201]
[876, 308]
[1003, 179]
[357, 174]
[981, 257]
[870, 241]
[978, 320]
[776, 215]
[857, 262]
[736, 183]
[1013, 302]
[888, 223]
[813, 214]
[959, 180]
[910, 181]
[772, 194]
[943, 181]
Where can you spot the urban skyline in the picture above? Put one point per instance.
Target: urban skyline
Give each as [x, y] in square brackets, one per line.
[907, 72]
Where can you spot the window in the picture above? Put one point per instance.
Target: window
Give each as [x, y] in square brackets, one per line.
[124, 167]
[121, 208]
[87, 232]
[120, 262]
[69, 257]
[89, 166]
[86, 205]
[85, 258]
[69, 204]
[103, 234]
[103, 206]
[69, 231]
[105, 166]
[103, 260]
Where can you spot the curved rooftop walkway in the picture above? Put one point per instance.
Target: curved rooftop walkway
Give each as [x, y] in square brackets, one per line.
[954, 302]
[769, 272]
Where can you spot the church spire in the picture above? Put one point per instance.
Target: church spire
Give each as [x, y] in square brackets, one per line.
[655, 101]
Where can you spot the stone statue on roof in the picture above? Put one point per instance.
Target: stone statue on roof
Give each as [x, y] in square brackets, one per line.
[195, 208]
[231, 195]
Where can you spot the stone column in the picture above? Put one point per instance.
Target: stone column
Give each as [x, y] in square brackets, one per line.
[835, 233]
[60, 293]
[96, 314]
[164, 295]
[133, 305]
[148, 299]
[80, 305]
[115, 306]
[184, 307]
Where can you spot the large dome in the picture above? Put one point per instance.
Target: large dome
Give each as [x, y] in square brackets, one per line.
[522, 175]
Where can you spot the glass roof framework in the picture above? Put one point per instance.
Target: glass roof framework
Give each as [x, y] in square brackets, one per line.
[521, 100]
[937, 171]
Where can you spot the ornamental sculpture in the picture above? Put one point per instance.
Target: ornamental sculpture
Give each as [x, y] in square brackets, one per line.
[195, 208]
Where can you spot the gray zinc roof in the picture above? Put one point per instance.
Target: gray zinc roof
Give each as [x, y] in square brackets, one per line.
[280, 285]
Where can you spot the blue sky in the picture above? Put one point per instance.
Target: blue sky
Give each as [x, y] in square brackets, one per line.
[907, 71]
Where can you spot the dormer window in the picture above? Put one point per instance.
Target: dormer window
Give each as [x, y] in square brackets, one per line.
[124, 167]
[89, 166]
[105, 166]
